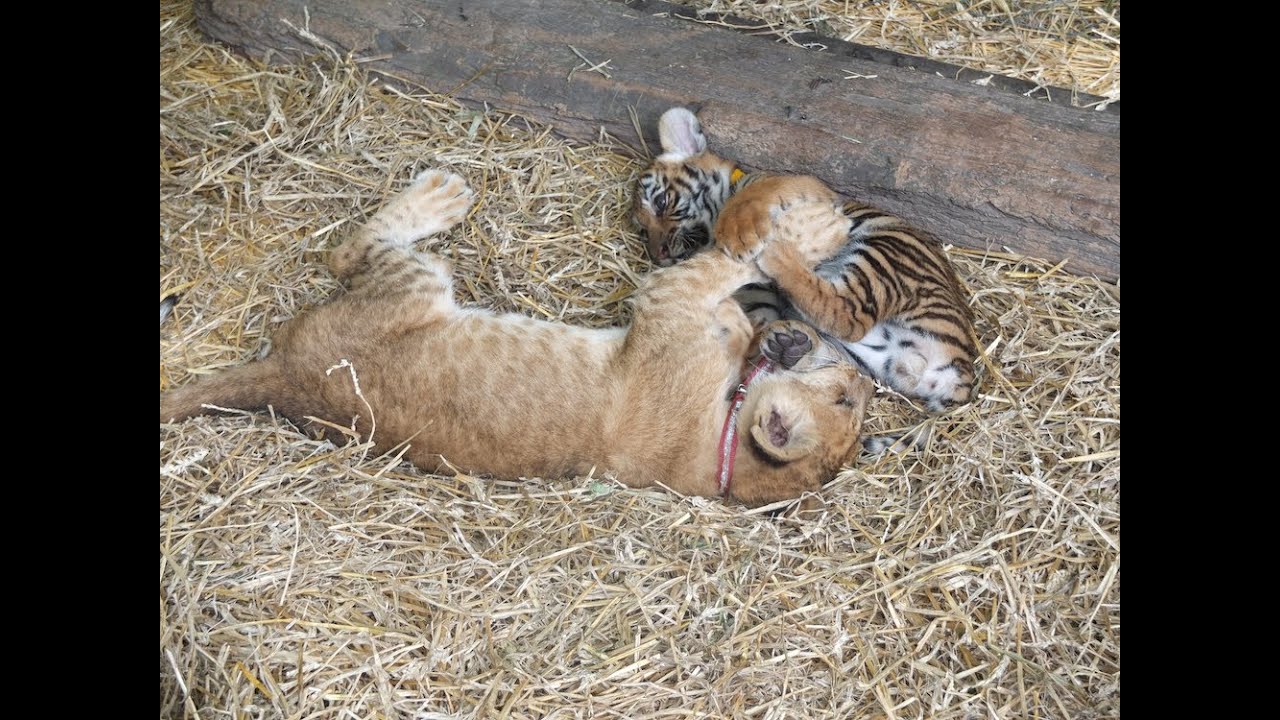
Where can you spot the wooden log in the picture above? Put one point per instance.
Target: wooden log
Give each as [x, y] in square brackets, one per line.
[978, 166]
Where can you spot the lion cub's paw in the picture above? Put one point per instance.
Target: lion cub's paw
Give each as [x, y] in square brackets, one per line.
[435, 201]
[787, 342]
[744, 228]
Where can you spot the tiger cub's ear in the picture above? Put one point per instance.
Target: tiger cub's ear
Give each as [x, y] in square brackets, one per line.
[680, 133]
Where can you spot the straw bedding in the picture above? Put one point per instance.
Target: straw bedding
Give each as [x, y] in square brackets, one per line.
[975, 578]
[1071, 44]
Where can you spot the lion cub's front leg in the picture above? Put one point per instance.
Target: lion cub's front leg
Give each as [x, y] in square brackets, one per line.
[735, 328]
[792, 345]
[748, 220]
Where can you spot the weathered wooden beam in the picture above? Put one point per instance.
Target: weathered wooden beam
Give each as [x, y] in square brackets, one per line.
[978, 166]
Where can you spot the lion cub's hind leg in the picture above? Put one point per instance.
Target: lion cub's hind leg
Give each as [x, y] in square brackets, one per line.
[377, 259]
[435, 201]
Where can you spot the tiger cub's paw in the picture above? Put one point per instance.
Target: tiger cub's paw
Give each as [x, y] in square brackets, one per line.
[906, 371]
[782, 260]
[787, 342]
[946, 387]
[435, 201]
[743, 228]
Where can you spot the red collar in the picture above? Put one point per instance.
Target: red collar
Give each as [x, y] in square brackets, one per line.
[729, 435]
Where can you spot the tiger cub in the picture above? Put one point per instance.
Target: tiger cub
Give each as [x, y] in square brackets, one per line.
[884, 290]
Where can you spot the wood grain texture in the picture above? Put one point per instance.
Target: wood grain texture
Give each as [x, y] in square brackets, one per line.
[978, 166]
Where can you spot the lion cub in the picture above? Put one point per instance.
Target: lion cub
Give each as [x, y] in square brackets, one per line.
[502, 394]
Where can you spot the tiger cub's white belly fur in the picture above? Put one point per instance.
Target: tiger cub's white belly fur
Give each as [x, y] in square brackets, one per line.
[911, 363]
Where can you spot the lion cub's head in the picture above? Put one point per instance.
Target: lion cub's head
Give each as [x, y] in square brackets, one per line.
[679, 196]
[796, 430]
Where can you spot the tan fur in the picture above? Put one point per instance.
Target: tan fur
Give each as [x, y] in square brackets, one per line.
[511, 396]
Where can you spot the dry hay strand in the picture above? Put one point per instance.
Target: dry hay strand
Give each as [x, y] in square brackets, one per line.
[977, 577]
[1072, 44]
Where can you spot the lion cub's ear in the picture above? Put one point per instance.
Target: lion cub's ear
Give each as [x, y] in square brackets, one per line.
[783, 438]
[680, 133]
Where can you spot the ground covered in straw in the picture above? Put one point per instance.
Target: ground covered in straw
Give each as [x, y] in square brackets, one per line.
[1067, 44]
[978, 578]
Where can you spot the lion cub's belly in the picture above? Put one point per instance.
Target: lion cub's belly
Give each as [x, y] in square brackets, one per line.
[501, 395]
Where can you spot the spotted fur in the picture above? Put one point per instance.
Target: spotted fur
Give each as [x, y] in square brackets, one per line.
[398, 362]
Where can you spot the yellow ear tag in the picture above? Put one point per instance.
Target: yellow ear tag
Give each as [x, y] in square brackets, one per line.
[736, 175]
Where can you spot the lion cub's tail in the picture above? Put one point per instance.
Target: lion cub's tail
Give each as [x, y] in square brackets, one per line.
[248, 387]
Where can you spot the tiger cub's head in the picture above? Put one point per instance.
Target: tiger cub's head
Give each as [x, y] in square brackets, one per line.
[680, 195]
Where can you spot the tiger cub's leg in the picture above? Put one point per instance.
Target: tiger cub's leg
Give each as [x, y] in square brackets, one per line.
[847, 311]
[750, 218]
[377, 259]
[762, 304]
